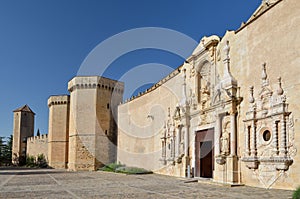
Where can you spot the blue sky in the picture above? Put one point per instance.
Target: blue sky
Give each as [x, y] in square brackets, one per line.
[44, 42]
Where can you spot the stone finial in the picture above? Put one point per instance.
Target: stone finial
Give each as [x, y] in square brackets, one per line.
[184, 99]
[202, 41]
[184, 74]
[228, 80]
[279, 90]
[251, 98]
[226, 50]
[264, 76]
[266, 2]
[264, 73]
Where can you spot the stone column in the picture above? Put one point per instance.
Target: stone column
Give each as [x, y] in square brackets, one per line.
[177, 143]
[233, 134]
[253, 140]
[173, 143]
[186, 141]
[164, 149]
[275, 137]
[217, 135]
[247, 136]
[282, 151]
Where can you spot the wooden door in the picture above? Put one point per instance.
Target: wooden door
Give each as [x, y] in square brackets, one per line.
[204, 151]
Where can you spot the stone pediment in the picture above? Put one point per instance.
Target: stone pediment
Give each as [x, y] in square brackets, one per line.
[264, 7]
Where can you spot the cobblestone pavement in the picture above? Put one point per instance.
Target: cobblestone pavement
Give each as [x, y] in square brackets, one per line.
[29, 183]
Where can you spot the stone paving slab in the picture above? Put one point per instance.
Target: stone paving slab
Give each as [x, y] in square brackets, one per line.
[49, 183]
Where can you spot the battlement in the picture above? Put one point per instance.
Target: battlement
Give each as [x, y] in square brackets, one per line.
[36, 138]
[155, 86]
[37, 145]
[58, 100]
[93, 82]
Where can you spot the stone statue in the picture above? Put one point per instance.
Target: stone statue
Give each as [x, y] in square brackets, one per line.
[226, 50]
[225, 143]
[205, 95]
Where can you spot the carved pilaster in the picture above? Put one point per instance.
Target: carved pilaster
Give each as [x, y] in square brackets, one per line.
[218, 135]
[173, 147]
[186, 141]
[233, 134]
[282, 150]
[178, 132]
[247, 139]
[275, 137]
[253, 140]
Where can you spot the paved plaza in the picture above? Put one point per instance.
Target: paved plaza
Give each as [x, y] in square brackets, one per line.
[48, 183]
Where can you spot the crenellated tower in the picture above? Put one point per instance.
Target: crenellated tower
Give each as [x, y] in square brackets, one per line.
[58, 141]
[92, 129]
[23, 128]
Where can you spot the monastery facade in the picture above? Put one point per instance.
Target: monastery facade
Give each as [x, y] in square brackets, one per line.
[229, 113]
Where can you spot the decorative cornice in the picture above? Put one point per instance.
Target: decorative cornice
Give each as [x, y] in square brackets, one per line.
[96, 82]
[82, 86]
[58, 103]
[58, 100]
[108, 87]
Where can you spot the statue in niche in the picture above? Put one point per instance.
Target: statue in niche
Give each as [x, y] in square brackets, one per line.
[225, 141]
[193, 100]
[204, 83]
[205, 94]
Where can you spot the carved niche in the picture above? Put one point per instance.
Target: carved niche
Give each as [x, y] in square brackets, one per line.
[204, 84]
[168, 141]
[204, 91]
[225, 136]
[269, 135]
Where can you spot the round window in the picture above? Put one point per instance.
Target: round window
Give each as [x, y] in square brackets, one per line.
[267, 135]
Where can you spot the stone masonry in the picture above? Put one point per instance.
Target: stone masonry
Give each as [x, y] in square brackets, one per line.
[23, 128]
[58, 144]
[230, 113]
[92, 130]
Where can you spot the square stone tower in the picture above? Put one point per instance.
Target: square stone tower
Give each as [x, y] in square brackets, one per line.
[23, 128]
[58, 138]
[92, 129]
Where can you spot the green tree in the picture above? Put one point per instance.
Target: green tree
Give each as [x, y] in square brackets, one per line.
[6, 150]
[1, 150]
[38, 132]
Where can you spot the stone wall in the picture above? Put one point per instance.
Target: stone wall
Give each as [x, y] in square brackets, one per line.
[23, 128]
[92, 134]
[38, 145]
[157, 129]
[141, 123]
[58, 145]
[272, 37]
